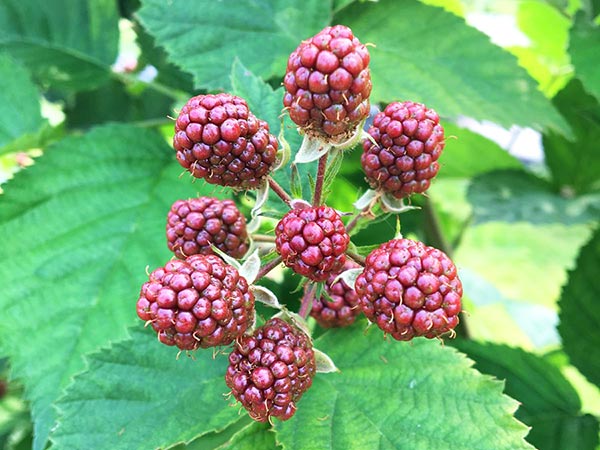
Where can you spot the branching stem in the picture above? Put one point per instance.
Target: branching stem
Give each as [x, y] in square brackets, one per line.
[320, 178]
[356, 257]
[263, 238]
[353, 222]
[307, 301]
[279, 191]
[265, 269]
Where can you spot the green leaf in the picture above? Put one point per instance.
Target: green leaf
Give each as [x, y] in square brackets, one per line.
[295, 182]
[112, 102]
[594, 8]
[579, 312]
[15, 426]
[517, 195]
[19, 104]
[205, 37]
[583, 47]
[336, 158]
[456, 7]
[67, 44]
[523, 261]
[216, 439]
[545, 56]
[423, 53]
[492, 316]
[391, 395]
[341, 4]
[137, 395]
[589, 393]
[168, 73]
[364, 250]
[264, 102]
[86, 219]
[549, 404]
[467, 154]
[575, 163]
[254, 436]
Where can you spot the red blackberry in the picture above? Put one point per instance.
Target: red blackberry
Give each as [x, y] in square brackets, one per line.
[217, 138]
[196, 224]
[408, 142]
[342, 306]
[269, 371]
[409, 289]
[328, 84]
[312, 241]
[199, 302]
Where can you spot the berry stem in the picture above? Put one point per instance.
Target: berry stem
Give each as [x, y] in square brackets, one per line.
[265, 269]
[307, 301]
[320, 178]
[356, 257]
[279, 191]
[263, 238]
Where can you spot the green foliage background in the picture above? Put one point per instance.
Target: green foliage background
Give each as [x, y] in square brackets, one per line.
[79, 227]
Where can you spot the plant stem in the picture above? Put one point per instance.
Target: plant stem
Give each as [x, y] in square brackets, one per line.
[459, 236]
[357, 258]
[268, 267]
[307, 301]
[434, 232]
[320, 179]
[170, 92]
[279, 191]
[366, 211]
[353, 222]
[263, 238]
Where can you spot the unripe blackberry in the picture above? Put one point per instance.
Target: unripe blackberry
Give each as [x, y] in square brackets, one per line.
[199, 302]
[409, 289]
[312, 241]
[196, 224]
[342, 306]
[408, 142]
[328, 84]
[217, 138]
[269, 371]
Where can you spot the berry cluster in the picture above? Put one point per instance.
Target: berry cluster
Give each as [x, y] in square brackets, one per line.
[409, 289]
[312, 241]
[206, 298]
[328, 83]
[195, 225]
[270, 370]
[406, 142]
[217, 138]
[199, 302]
[339, 306]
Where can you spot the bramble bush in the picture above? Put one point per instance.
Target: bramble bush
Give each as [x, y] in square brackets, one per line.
[321, 255]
